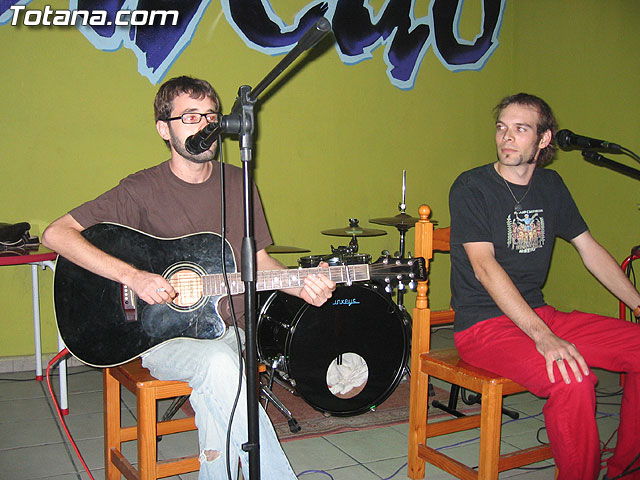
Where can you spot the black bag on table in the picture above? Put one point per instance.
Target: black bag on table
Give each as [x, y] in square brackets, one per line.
[15, 236]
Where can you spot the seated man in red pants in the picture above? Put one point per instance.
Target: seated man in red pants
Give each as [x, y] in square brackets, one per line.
[505, 217]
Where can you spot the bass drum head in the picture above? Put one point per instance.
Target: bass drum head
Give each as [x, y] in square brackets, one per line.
[359, 329]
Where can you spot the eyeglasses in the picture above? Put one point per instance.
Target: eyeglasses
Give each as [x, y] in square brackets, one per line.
[192, 118]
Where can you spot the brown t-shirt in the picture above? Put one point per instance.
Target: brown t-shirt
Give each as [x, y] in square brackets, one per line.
[157, 202]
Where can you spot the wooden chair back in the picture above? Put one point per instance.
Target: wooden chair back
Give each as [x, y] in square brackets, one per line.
[446, 365]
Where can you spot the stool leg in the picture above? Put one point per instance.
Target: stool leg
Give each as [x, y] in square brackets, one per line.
[490, 430]
[147, 434]
[111, 389]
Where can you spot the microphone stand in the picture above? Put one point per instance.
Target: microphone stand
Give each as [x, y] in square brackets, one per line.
[597, 159]
[241, 121]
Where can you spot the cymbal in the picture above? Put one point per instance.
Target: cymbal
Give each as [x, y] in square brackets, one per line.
[354, 231]
[400, 220]
[285, 249]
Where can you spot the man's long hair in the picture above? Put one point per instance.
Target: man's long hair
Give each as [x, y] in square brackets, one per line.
[547, 121]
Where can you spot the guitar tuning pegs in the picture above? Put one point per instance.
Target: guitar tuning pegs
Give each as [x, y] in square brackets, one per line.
[384, 253]
[388, 289]
[401, 286]
[412, 285]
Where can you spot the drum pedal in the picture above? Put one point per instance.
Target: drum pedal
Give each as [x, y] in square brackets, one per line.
[270, 397]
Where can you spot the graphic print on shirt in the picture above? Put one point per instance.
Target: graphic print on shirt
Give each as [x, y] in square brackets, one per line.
[525, 230]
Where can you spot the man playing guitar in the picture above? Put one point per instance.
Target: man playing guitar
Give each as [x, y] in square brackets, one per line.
[180, 197]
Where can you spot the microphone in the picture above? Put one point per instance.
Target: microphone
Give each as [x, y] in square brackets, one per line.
[566, 138]
[202, 141]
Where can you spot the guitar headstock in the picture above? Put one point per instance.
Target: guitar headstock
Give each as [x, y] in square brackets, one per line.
[398, 272]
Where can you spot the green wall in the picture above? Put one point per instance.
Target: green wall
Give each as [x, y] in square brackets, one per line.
[333, 139]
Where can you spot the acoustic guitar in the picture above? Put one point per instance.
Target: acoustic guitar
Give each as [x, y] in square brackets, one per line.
[103, 323]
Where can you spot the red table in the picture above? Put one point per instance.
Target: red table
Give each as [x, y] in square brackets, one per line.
[40, 258]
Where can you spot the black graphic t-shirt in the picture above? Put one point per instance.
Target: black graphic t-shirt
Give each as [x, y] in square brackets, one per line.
[482, 210]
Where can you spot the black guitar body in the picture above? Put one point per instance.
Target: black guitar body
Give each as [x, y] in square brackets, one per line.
[103, 324]
[90, 312]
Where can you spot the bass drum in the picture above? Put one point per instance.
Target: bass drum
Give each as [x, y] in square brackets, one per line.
[358, 335]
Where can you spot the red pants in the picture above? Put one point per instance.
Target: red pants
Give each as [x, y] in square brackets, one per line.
[500, 346]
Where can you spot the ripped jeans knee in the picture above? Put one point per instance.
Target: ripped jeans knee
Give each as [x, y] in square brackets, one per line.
[209, 455]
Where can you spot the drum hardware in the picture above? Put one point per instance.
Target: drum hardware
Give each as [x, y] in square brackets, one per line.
[345, 254]
[339, 257]
[359, 327]
[354, 231]
[402, 222]
[267, 395]
[287, 383]
[279, 365]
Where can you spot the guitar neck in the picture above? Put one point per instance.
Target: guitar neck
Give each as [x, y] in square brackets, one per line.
[214, 285]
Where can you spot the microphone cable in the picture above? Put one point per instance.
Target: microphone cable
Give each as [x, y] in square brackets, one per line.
[234, 320]
[59, 356]
[631, 274]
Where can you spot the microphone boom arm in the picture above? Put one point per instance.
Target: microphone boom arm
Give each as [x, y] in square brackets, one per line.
[602, 161]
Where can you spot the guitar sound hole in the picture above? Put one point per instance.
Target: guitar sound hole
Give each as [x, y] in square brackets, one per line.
[188, 284]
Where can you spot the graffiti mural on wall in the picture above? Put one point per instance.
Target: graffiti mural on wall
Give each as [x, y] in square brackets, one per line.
[358, 30]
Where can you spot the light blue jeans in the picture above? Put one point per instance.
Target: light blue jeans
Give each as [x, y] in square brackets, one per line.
[211, 369]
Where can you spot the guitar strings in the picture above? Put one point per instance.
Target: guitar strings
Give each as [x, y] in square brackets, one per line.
[192, 284]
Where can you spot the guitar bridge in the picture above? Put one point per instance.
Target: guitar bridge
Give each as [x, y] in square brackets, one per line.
[128, 298]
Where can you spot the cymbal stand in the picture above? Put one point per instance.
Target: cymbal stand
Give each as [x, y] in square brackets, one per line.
[352, 248]
[400, 296]
[402, 229]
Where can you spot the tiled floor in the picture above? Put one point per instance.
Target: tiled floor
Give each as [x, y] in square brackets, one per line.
[33, 445]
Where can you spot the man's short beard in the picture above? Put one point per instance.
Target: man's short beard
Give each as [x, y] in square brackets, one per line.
[204, 157]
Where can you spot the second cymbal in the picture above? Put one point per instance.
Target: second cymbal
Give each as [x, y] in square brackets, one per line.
[285, 249]
[400, 220]
[354, 232]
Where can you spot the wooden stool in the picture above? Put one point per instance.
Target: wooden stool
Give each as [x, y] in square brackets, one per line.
[147, 390]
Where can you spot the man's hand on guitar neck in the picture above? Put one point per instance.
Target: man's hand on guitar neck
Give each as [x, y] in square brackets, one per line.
[317, 289]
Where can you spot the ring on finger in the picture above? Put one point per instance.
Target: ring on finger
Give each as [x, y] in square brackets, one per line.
[559, 359]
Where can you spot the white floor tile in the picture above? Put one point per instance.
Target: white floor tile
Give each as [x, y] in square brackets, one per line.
[31, 432]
